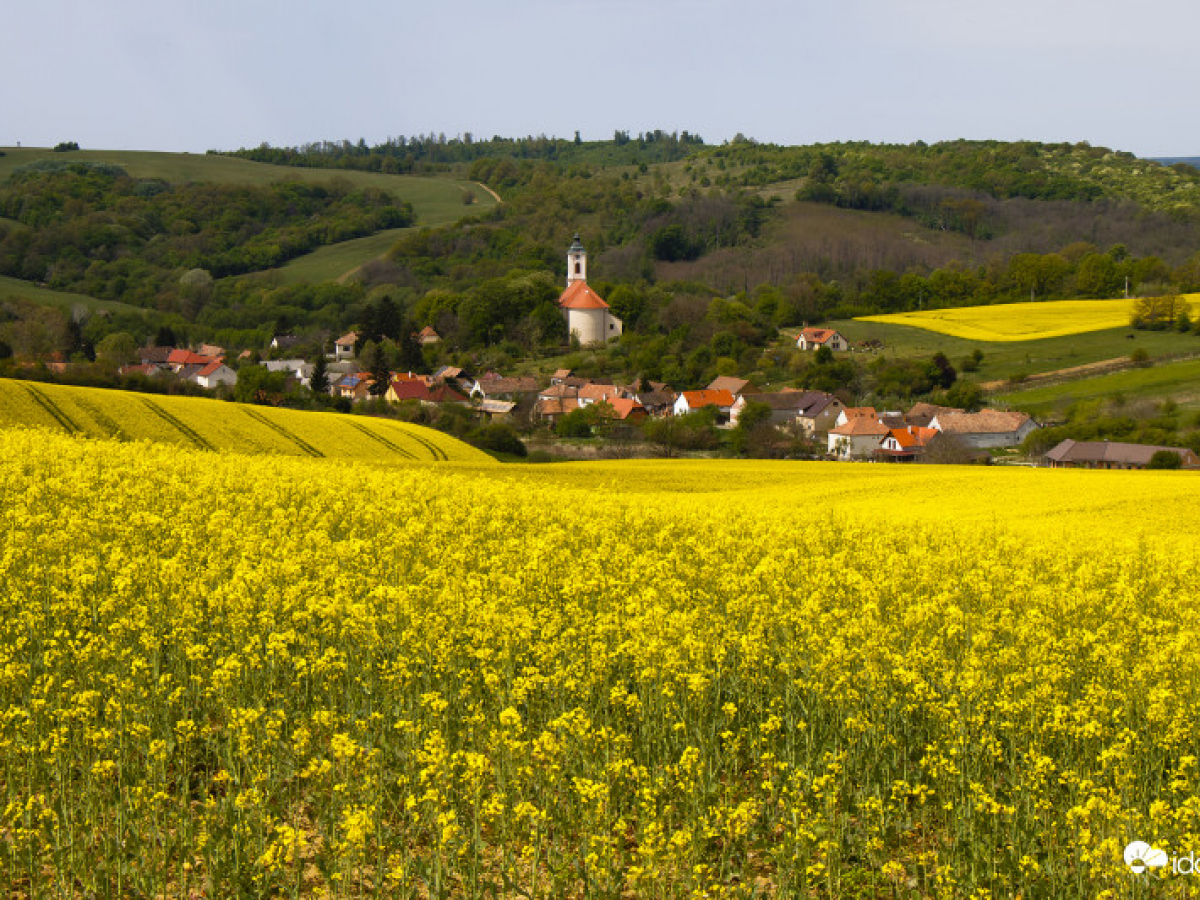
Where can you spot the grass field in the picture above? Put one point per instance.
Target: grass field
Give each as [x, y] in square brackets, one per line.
[1003, 360]
[205, 424]
[1019, 321]
[13, 287]
[338, 260]
[436, 200]
[1176, 381]
[239, 676]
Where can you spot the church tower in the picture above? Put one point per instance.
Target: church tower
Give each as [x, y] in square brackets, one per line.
[576, 262]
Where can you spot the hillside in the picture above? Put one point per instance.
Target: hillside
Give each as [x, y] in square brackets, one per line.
[215, 425]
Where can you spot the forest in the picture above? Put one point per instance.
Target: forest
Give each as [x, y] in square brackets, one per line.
[703, 251]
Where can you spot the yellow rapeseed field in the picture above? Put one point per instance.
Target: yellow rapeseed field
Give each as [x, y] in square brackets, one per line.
[225, 675]
[1019, 321]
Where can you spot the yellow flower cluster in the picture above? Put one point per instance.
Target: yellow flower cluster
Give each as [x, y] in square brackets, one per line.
[226, 675]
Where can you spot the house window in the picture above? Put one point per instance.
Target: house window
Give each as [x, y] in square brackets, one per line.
[578, 268]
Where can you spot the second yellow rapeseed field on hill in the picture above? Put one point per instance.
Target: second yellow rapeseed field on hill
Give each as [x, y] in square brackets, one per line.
[1005, 322]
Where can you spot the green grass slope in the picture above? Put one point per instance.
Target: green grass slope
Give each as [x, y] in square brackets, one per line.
[1177, 381]
[436, 200]
[1004, 360]
[15, 288]
[224, 427]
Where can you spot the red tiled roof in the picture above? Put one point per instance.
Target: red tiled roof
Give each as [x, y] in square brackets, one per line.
[624, 408]
[817, 335]
[187, 358]
[409, 389]
[210, 368]
[697, 399]
[580, 296]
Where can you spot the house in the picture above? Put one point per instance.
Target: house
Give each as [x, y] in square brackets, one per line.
[856, 412]
[154, 356]
[496, 388]
[598, 393]
[812, 338]
[343, 347]
[401, 389]
[690, 401]
[427, 336]
[559, 375]
[1112, 455]
[353, 387]
[551, 409]
[296, 368]
[496, 410]
[214, 374]
[589, 318]
[986, 428]
[735, 386]
[178, 359]
[211, 350]
[858, 438]
[626, 409]
[656, 401]
[284, 341]
[904, 444]
[811, 411]
[923, 413]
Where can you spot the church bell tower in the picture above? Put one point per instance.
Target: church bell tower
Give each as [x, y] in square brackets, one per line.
[576, 262]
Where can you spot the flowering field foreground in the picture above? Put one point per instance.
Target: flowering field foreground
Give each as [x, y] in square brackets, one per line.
[1019, 321]
[234, 676]
[207, 424]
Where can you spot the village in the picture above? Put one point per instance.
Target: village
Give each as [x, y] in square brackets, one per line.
[820, 421]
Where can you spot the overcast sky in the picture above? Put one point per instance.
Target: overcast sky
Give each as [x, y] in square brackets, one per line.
[223, 74]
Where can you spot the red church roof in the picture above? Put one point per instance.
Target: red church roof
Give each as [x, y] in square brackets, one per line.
[580, 296]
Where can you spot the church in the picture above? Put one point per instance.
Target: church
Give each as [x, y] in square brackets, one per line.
[588, 317]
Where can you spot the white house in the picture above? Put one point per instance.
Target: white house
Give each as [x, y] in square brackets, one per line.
[690, 401]
[986, 428]
[857, 439]
[812, 338]
[297, 368]
[589, 318]
[343, 347]
[215, 373]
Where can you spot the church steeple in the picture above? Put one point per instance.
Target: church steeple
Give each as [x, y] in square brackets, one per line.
[576, 262]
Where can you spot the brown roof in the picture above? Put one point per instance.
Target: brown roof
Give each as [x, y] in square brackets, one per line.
[860, 425]
[493, 386]
[559, 391]
[561, 373]
[580, 296]
[555, 406]
[860, 412]
[732, 384]
[350, 338]
[1110, 452]
[599, 393]
[806, 403]
[987, 421]
[817, 335]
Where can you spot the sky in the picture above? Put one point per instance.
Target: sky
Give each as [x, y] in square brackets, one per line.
[223, 74]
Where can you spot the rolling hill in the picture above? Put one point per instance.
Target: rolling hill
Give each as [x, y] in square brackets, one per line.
[223, 427]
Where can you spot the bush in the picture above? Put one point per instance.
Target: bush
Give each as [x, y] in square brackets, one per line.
[498, 438]
[1164, 459]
